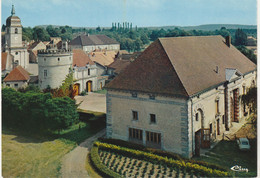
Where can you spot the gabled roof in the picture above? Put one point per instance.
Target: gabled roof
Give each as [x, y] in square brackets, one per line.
[119, 65]
[182, 66]
[80, 58]
[84, 40]
[4, 60]
[17, 74]
[104, 58]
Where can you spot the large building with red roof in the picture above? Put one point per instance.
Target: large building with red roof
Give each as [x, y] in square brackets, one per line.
[180, 95]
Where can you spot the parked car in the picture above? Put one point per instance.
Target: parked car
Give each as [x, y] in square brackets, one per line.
[243, 144]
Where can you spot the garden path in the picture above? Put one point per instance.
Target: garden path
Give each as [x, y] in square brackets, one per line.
[73, 163]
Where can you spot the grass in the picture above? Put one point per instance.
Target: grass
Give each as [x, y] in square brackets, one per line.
[103, 91]
[24, 155]
[227, 154]
[92, 173]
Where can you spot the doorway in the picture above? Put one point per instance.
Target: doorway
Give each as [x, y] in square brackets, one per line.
[89, 86]
[76, 88]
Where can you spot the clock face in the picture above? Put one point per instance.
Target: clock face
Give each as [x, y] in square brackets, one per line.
[15, 38]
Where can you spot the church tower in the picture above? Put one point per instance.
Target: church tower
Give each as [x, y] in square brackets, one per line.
[13, 40]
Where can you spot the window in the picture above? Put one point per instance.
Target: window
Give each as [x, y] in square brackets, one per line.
[152, 97]
[58, 59]
[16, 85]
[135, 115]
[217, 106]
[88, 71]
[8, 85]
[135, 134]
[210, 128]
[16, 30]
[223, 119]
[153, 137]
[45, 73]
[244, 90]
[134, 94]
[197, 116]
[152, 118]
[16, 53]
[44, 59]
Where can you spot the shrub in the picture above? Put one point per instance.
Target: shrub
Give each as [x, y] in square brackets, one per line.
[83, 93]
[179, 164]
[175, 156]
[37, 112]
[99, 166]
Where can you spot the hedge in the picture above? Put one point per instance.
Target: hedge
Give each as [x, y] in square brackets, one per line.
[191, 168]
[175, 156]
[99, 166]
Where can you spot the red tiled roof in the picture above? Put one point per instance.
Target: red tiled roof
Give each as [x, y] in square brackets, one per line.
[84, 40]
[17, 74]
[104, 58]
[119, 65]
[80, 58]
[4, 60]
[181, 66]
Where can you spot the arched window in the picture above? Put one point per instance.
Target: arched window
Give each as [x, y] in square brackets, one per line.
[58, 59]
[16, 30]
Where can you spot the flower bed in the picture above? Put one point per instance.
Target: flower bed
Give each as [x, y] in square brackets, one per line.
[177, 165]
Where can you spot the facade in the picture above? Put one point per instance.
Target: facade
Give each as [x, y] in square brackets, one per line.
[17, 78]
[180, 94]
[90, 43]
[54, 66]
[13, 40]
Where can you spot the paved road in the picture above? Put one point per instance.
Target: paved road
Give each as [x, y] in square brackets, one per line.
[73, 163]
[92, 102]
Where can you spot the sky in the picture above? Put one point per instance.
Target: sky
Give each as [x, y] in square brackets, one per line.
[143, 13]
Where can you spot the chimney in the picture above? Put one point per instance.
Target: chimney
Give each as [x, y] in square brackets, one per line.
[228, 41]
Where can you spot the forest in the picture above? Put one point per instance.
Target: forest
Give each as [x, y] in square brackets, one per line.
[136, 38]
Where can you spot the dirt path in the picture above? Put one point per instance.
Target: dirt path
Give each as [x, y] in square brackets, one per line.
[73, 164]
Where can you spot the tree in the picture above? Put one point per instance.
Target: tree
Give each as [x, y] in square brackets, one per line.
[145, 39]
[3, 28]
[250, 99]
[40, 34]
[240, 37]
[138, 44]
[248, 53]
[98, 29]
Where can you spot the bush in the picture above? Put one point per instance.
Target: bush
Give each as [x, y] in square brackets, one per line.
[37, 112]
[199, 170]
[83, 93]
[175, 156]
[99, 166]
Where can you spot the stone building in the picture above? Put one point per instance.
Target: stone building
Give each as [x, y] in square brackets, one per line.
[54, 66]
[13, 41]
[17, 78]
[180, 94]
[90, 43]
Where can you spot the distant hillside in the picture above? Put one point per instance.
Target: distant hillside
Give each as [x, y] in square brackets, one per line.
[209, 27]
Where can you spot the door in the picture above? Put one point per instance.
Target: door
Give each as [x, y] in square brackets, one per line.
[89, 86]
[197, 143]
[205, 138]
[218, 129]
[76, 89]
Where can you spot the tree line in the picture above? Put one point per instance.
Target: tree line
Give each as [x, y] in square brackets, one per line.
[137, 39]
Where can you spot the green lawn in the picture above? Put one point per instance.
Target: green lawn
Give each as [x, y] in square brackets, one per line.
[25, 155]
[227, 154]
[103, 91]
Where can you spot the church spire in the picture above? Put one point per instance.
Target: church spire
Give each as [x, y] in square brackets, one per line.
[13, 11]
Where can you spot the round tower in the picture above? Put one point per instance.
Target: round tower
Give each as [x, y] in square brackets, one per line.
[53, 65]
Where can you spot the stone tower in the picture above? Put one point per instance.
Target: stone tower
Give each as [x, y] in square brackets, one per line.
[53, 65]
[13, 40]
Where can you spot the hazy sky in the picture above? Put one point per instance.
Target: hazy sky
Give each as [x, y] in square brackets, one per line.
[93, 13]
